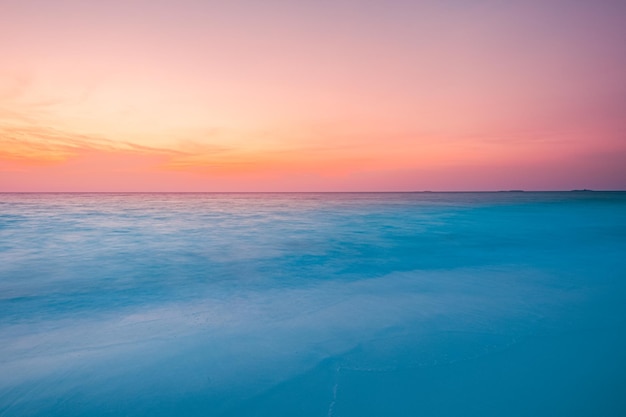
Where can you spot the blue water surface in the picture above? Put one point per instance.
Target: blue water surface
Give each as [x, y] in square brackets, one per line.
[338, 304]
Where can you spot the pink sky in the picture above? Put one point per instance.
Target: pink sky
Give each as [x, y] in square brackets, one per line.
[312, 95]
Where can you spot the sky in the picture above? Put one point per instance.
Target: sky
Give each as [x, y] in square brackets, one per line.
[278, 95]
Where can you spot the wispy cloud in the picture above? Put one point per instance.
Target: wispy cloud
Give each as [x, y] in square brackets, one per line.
[41, 144]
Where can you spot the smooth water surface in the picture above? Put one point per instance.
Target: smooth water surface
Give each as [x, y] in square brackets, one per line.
[381, 304]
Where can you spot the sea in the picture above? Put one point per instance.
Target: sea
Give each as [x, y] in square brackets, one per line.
[313, 304]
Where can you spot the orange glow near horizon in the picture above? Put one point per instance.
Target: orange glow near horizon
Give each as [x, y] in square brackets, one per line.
[188, 96]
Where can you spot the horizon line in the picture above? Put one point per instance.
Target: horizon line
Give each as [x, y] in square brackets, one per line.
[582, 190]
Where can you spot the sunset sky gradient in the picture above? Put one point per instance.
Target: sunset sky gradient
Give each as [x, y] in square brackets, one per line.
[321, 95]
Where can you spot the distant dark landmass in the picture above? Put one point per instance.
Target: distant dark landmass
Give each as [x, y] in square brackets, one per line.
[584, 189]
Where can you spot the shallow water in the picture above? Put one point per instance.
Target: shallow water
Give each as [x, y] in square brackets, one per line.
[394, 304]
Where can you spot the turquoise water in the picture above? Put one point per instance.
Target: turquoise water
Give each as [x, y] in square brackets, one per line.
[381, 304]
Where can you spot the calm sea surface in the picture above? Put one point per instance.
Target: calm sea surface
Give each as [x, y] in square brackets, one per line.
[381, 304]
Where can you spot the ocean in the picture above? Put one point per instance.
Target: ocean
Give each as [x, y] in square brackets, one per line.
[313, 304]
